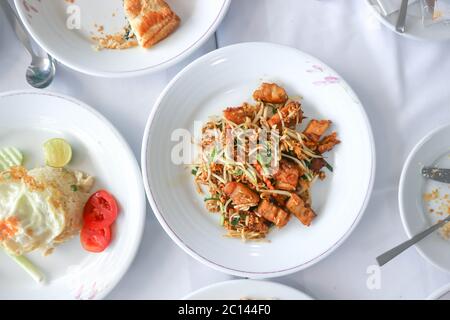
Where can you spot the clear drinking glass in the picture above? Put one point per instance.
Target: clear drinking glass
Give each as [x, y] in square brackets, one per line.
[435, 11]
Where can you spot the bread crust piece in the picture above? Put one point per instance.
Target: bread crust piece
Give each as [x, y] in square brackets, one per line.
[150, 20]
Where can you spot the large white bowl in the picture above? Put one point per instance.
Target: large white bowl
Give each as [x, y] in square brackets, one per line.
[27, 120]
[47, 23]
[226, 77]
[434, 149]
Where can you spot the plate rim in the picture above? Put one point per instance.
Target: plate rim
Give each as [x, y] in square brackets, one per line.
[142, 203]
[241, 281]
[441, 291]
[401, 193]
[406, 34]
[179, 241]
[129, 73]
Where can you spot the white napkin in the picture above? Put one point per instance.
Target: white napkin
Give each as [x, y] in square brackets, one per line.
[389, 6]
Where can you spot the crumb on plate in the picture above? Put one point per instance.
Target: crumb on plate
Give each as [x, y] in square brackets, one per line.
[121, 40]
[445, 231]
[441, 205]
[433, 195]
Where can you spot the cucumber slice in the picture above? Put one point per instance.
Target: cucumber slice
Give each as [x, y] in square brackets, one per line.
[10, 157]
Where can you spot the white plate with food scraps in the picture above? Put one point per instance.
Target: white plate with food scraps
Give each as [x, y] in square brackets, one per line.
[422, 201]
[415, 29]
[205, 88]
[27, 120]
[247, 290]
[66, 30]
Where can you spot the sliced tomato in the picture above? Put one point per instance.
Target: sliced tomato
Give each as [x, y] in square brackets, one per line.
[100, 210]
[94, 239]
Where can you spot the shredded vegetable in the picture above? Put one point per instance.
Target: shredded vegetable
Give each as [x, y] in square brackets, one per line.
[29, 267]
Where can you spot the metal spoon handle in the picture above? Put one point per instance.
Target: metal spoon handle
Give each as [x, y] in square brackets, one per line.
[391, 254]
[17, 26]
[401, 21]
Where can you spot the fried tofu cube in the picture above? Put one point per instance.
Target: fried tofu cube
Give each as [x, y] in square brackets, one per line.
[328, 143]
[240, 194]
[272, 213]
[257, 223]
[298, 208]
[238, 115]
[316, 128]
[286, 178]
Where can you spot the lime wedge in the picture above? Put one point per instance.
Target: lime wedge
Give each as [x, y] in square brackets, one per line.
[10, 157]
[58, 152]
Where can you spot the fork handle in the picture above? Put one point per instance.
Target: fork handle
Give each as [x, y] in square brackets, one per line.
[391, 254]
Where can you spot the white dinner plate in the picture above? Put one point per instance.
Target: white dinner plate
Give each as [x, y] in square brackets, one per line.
[47, 22]
[227, 77]
[247, 289]
[27, 120]
[414, 26]
[433, 150]
[442, 293]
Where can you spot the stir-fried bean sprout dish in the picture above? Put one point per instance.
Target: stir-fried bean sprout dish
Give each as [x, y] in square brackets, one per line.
[258, 165]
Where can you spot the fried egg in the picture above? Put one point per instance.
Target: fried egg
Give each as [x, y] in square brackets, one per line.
[41, 208]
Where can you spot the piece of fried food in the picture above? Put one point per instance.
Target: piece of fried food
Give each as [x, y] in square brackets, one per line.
[150, 20]
[270, 93]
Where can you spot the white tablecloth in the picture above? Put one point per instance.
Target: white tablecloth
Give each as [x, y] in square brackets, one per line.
[402, 83]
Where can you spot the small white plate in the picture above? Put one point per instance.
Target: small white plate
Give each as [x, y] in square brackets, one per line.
[27, 120]
[247, 289]
[441, 294]
[434, 149]
[414, 27]
[47, 23]
[227, 77]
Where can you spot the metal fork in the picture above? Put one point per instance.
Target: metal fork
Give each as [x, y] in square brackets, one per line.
[391, 254]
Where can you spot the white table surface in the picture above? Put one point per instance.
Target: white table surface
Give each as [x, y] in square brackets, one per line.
[402, 83]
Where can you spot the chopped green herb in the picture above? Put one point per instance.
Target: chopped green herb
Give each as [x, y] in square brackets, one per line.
[222, 220]
[235, 220]
[263, 164]
[211, 198]
[268, 150]
[274, 108]
[194, 171]
[261, 160]
[74, 188]
[251, 176]
[307, 164]
[292, 154]
[328, 166]
[213, 155]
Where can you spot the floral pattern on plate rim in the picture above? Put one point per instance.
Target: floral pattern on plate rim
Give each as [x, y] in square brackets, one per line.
[30, 8]
[328, 78]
